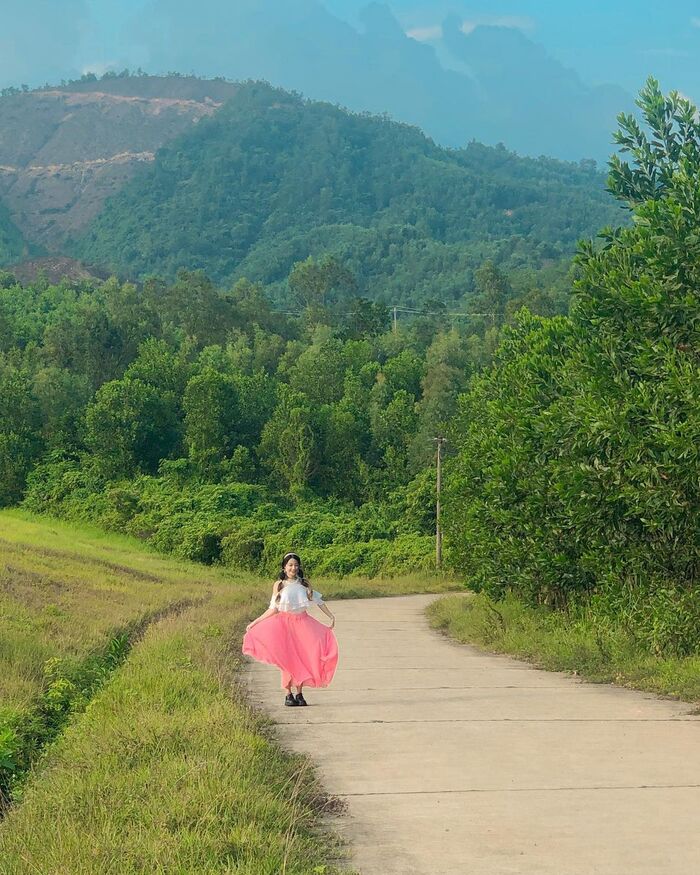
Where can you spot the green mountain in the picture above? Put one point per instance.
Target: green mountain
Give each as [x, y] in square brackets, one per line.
[64, 150]
[12, 245]
[270, 179]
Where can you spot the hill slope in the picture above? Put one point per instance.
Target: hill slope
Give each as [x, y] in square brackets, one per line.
[270, 179]
[12, 244]
[64, 150]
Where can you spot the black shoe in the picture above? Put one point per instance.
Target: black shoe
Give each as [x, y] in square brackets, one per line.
[300, 700]
[290, 700]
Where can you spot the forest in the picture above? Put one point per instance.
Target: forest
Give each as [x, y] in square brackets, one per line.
[189, 412]
[271, 179]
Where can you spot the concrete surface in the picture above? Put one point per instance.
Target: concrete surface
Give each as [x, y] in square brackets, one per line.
[456, 762]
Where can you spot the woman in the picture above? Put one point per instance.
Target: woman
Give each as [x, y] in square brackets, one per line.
[305, 650]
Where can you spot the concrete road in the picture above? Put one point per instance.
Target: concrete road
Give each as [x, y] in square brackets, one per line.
[455, 761]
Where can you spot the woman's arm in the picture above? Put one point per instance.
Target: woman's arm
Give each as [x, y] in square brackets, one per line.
[325, 610]
[268, 613]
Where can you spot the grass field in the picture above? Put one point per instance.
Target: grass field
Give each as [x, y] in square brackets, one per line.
[554, 641]
[126, 741]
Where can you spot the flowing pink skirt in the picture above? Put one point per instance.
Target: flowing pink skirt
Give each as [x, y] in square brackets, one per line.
[305, 650]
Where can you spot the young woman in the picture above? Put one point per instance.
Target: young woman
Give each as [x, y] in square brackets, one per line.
[305, 650]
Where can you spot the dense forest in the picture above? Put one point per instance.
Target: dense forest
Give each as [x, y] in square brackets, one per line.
[271, 179]
[12, 246]
[200, 419]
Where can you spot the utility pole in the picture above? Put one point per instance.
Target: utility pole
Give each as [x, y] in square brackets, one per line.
[438, 532]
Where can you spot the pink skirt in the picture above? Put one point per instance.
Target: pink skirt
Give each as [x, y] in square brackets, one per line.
[305, 650]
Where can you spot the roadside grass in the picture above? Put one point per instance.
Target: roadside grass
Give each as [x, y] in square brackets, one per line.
[119, 674]
[65, 591]
[556, 642]
[169, 770]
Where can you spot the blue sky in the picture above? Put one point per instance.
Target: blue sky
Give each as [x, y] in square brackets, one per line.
[620, 42]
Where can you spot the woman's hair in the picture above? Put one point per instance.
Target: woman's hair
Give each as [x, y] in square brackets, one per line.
[283, 577]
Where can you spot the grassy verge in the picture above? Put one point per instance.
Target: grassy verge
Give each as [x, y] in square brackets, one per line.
[119, 684]
[168, 770]
[556, 642]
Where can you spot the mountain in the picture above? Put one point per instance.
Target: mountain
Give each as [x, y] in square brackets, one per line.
[12, 243]
[538, 105]
[63, 151]
[271, 178]
[493, 84]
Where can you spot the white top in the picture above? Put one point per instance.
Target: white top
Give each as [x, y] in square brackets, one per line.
[294, 598]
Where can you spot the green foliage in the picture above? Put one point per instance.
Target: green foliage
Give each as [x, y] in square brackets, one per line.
[578, 463]
[211, 408]
[12, 245]
[273, 187]
[131, 426]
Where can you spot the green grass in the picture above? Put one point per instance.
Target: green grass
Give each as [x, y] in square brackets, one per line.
[65, 591]
[161, 766]
[168, 770]
[556, 642]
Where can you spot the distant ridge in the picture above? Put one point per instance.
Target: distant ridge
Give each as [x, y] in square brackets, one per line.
[271, 178]
[493, 84]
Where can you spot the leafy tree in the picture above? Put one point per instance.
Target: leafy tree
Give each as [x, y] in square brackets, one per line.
[212, 414]
[319, 372]
[315, 283]
[130, 427]
[365, 318]
[19, 431]
[492, 292]
[288, 445]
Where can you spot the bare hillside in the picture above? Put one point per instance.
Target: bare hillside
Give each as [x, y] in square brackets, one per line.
[64, 150]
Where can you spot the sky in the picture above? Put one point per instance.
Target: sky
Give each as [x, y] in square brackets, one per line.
[619, 42]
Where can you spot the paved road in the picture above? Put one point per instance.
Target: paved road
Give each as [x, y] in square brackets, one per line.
[454, 761]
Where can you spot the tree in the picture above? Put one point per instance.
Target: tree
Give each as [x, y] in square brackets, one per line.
[492, 292]
[288, 447]
[19, 431]
[366, 318]
[314, 283]
[130, 427]
[212, 414]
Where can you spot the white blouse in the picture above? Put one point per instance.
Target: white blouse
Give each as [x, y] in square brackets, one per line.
[294, 598]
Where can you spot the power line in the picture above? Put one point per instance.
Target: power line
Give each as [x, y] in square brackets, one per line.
[394, 310]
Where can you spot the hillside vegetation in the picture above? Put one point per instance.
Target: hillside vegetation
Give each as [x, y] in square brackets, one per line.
[124, 728]
[212, 427]
[271, 179]
[64, 150]
[12, 245]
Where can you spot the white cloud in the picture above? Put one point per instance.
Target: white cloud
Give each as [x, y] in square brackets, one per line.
[99, 68]
[424, 34]
[519, 22]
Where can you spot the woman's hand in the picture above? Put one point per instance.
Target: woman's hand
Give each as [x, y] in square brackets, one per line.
[332, 622]
[249, 627]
